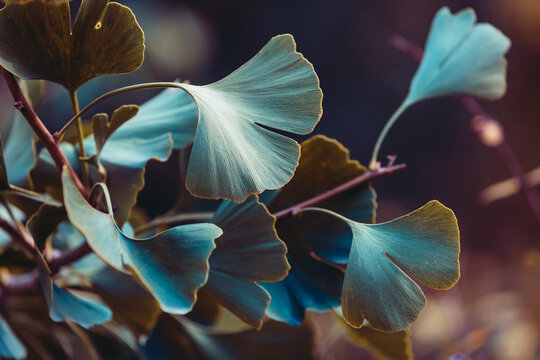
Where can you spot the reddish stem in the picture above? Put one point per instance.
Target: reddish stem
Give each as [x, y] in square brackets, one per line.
[475, 109]
[365, 177]
[50, 143]
[17, 235]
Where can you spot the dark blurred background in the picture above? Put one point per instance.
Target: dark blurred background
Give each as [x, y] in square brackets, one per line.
[364, 79]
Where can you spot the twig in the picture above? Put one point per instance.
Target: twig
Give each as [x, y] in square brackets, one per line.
[488, 130]
[369, 175]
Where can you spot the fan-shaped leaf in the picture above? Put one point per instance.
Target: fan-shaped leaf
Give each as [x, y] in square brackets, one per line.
[249, 251]
[461, 57]
[232, 156]
[425, 243]
[311, 283]
[36, 41]
[173, 265]
[10, 346]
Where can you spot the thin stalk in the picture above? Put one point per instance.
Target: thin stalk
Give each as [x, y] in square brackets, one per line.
[152, 85]
[475, 109]
[22, 104]
[369, 175]
[80, 137]
[382, 135]
[19, 236]
[172, 219]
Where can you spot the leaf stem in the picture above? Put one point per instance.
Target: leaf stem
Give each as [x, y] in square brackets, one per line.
[22, 238]
[382, 135]
[478, 113]
[165, 220]
[151, 85]
[80, 137]
[369, 175]
[50, 143]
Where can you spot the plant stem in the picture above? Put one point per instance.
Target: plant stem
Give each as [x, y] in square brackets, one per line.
[22, 104]
[475, 110]
[152, 85]
[382, 135]
[22, 238]
[369, 175]
[80, 137]
[164, 220]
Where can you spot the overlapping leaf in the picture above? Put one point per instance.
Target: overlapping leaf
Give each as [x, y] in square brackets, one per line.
[173, 339]
[173, 265]
[377, 287]
[461, 57]
[37, 42]
[66, 305]
[248, 252]
[10, 346]
[313, 284]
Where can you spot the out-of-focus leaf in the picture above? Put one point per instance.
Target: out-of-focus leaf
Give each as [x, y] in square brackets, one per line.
[5, 238]
[232, 156]
[10, 346]
[131, 304]
[424, 243]
[312, 284]
[4, 183]
[65, 305]
[461, 57]
[105, 39]
[249, 251]
[382, 345]
[173, 265]
[173, 339]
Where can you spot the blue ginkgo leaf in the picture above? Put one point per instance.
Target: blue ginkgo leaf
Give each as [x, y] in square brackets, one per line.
[314, 240]
[173, 265]
[10, 346]
[461, 57]
[249, 251]
[64, 304]
[233, 156]
[377, 287]
[19, 150]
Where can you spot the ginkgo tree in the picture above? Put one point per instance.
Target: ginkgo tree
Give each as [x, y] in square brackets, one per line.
[85, 275]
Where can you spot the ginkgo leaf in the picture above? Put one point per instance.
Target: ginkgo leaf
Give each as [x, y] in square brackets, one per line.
[313, 283]
[103, 128]
[181, 339]
[66, 305]
[233, 155]
[173, 265]
[105, 39]
[461, 57]
[19, 150]
[250, 242]
[377, 287]
[10, 346]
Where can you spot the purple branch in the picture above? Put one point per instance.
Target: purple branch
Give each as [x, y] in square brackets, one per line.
[488, 130]
[364, 178]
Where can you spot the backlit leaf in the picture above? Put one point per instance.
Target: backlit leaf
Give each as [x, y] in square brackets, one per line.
[10, 346]
[173, 265]
[461, 57]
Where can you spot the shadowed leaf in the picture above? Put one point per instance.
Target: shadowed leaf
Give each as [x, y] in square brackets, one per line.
[36, 40]
[10, 346]
[173, 339]
[173, 265]
[66, 305]
[425, 243]
[103, 128]
[461, 57]
[249, 251]
[311, 283]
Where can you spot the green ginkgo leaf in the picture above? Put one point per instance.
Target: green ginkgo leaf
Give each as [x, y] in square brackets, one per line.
[66, 305]
[377, 287]
[173, 265]
[233, 155]
[10, 346]
[461, 57]
[250, 242]
[37, 42]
